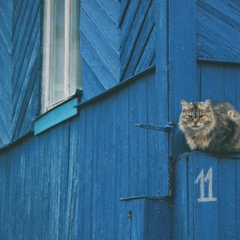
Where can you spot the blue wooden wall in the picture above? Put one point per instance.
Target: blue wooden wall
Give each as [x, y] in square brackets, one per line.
[99, 46]
[26, 57]
[137, 37]
[6, 72]
[20, 67]
[218, 30]
[39, 188]
[218, 51]
[207, 197]
[69, 181]
[117, 42]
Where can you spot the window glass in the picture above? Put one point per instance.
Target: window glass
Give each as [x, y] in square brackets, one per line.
[61, 51]
[57, 51]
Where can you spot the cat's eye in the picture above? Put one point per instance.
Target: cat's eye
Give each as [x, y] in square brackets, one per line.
[201, 116]
[190, 116]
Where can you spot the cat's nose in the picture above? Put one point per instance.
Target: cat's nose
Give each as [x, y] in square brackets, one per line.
[195, 121]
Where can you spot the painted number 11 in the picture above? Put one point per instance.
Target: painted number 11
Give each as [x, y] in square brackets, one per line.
[201, 179]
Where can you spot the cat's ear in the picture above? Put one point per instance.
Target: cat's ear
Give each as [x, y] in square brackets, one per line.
[185, 105]
[207, 104]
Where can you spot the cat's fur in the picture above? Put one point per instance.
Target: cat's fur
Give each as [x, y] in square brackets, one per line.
[210, 127]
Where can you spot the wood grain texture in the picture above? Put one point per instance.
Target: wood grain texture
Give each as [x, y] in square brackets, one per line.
[137, 40]
[224, 80]
[26, 65]
[210, 219]
[99, 46]
[182, 66]
[218, 30]
[68, 181]
[42, 180]
[20, 74]
[145, 218]
[6, 12]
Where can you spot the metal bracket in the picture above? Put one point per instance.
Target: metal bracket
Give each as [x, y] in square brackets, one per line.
[153, 198]
[167, 128]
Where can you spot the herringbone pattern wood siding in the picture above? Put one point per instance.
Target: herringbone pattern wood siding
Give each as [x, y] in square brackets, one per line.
[26, 65]
[137, 42]
[20, 51]
[99, 46]
[6, 11]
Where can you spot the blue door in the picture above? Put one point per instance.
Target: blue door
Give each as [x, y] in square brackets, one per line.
[204, 60]
[204, 53]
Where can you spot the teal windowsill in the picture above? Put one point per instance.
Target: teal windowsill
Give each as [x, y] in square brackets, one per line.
[55, 116]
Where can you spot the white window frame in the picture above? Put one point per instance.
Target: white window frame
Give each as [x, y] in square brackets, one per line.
[46, 72]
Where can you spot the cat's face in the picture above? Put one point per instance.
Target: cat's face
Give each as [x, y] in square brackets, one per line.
[196, 116]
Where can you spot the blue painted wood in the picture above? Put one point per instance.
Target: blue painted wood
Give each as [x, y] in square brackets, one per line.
[224, 82]
[99, 46]
[218, 30]
[137, 40]
[180, 201]
[68, 181]
[55, 116]
[42, 187]
[83, 131]
[215, 216]
[5, 71]
[143, 218]
[161, 105]
[21, 62]
[26, 39]
[182, 79]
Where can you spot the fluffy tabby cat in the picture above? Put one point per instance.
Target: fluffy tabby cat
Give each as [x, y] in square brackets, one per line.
[210, 127]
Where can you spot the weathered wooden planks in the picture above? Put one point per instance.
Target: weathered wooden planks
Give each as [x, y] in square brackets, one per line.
[68, 181]
[206, 202]
[218, 30]
[137, 40]
[219, 82]
[5, 72]
[99, 46]
[21, 63]
[26, 37]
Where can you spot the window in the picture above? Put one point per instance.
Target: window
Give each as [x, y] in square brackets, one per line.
[61, 52]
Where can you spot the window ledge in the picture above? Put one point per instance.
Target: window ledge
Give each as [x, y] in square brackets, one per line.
[56, 115]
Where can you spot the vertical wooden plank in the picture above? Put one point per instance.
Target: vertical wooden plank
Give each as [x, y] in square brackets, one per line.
[109, 162]
[137, 139]
[183, 82]
[162, 88]
[123, 228]
[203, 208]
[84, 143]
[226, 198]
[4, 196]
[237, 197]
[74, 174]
[158, 222]
[181, 200]
[97, 208]
[214, 73]
[157, 166]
